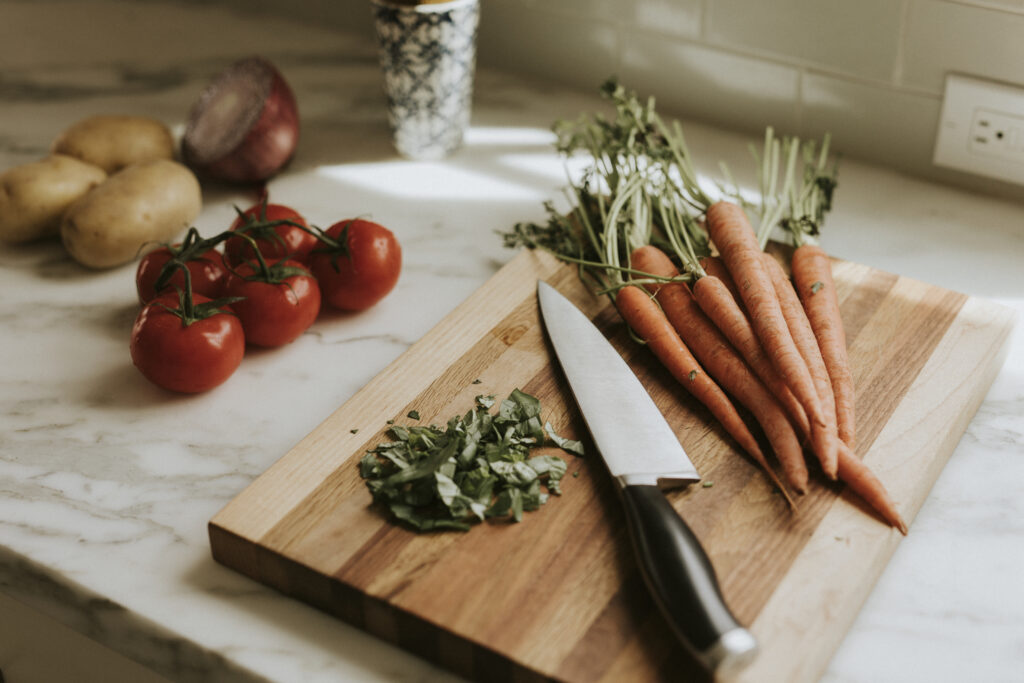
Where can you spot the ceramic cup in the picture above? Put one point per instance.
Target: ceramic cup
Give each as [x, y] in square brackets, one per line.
[428, 56]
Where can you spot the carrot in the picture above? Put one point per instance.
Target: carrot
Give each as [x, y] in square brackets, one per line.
[712, 295]
[803, 337]
[730, 230]
[713, 265]
[865, 484]
[646, 318]
[812, 275]
[725, 365]
[715, 300]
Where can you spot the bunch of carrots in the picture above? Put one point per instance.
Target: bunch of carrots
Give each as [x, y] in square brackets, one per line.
[689, 274]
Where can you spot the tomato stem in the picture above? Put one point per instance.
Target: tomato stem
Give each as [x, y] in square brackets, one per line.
[192, 248]
[189, 312]
[337, 247]
[263, 228]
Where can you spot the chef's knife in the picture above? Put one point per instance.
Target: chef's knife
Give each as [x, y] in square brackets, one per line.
[642, 453]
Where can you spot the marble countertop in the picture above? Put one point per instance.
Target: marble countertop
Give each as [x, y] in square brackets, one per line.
[107, 483]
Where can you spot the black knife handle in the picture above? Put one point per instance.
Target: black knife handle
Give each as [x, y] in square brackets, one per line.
[682, 581]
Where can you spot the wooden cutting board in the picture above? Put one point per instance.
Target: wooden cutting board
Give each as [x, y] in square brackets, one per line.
[558, 596]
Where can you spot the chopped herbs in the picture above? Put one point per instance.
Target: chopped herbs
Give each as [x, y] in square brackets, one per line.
[413, 415]
[818, 284]
[353, 431]
[477, 467]
[692, 376]
[478, 381]
[707, 484]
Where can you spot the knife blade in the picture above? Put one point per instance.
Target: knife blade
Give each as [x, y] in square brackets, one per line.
[643, 454]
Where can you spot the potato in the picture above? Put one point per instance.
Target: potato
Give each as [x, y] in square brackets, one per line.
[34, 196]
[114, 142]
[148, 202]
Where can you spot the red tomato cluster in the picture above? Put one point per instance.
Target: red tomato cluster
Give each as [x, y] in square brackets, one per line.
[201, 306]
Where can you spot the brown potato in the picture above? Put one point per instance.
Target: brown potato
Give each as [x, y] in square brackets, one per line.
[114, 142]
[148, 202]
[34, 196]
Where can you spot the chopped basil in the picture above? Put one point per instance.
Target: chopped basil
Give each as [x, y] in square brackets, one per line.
[818, 284]
[477, 467]
[413, 415]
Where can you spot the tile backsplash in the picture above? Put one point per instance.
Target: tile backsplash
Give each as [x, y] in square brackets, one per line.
[871, 72]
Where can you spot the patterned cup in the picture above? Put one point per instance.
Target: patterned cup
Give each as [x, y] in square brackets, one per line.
[428, 55]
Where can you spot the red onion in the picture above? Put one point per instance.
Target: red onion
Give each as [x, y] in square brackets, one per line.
[245, 125]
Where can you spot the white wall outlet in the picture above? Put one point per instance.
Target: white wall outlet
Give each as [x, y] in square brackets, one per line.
[981, 129]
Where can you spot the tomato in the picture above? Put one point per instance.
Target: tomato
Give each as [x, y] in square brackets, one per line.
[359, 266]
[277, 232]
[279, 305]
[206, 272]
[186, 345]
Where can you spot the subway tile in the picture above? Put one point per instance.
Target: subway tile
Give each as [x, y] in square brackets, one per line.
[672, 17]
[575, 50]
[616, 10]
[718, 87]
[874, 123]
[857, 37]
[944, 37]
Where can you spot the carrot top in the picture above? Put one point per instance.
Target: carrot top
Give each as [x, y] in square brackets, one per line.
[801, 207]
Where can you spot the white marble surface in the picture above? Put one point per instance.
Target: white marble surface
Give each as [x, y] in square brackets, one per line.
[106, 483]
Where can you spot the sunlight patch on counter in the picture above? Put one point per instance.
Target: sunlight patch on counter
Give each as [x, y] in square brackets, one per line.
[431, 180]
[478, 136]
[480, 170]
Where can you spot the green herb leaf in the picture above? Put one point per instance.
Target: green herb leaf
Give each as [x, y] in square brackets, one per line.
[519, 406]
[817, 286]
[552, 466]
[413, 415]
[570, 445]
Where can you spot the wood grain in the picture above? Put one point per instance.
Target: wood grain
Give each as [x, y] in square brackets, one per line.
[558, 596]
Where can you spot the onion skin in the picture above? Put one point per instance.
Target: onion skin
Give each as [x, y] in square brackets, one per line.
[267, 147]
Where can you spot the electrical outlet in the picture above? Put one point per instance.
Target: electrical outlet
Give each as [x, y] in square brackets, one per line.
[981, 129]
[997, 134]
